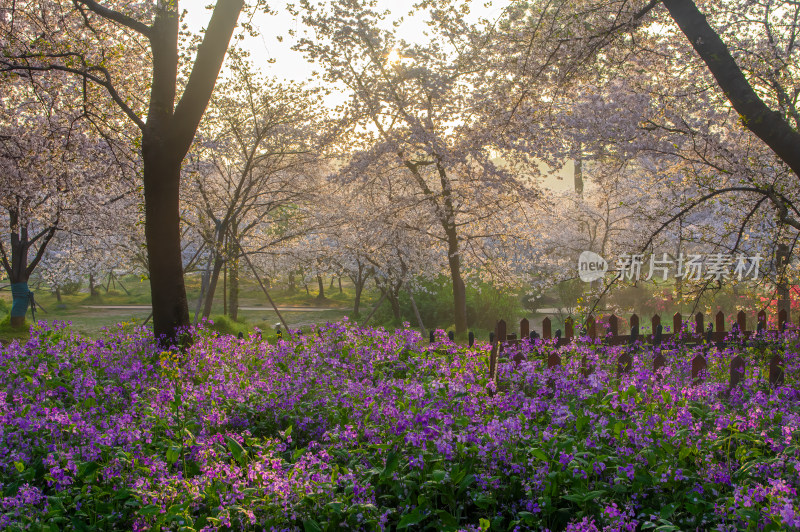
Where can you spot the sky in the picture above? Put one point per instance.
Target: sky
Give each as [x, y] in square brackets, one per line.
[291, 65]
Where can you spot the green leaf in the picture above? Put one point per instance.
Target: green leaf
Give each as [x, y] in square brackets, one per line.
[236, 449]
[309, 525]
[538, 453]
[485, 524]
[391, 464]
[173, 454]
[88, 469]
[410, 519]
[20, 466]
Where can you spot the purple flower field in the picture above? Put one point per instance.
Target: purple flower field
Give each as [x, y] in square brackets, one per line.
[364, 429]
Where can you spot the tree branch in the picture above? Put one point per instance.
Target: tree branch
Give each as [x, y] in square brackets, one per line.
[206, 69]
[765, 123]
[116, 16]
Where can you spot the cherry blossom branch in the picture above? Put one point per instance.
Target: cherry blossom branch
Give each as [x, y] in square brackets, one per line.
[116, 16]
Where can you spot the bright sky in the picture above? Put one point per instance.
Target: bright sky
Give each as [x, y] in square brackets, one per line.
[292, 65]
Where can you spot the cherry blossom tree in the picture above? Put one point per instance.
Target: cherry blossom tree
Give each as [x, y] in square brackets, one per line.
[254, 164]
[111, 46]
[417, 113]
[56, 173]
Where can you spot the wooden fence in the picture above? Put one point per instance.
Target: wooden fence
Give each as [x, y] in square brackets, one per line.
[713, 334]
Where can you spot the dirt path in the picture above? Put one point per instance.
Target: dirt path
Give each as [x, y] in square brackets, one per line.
[268, 309]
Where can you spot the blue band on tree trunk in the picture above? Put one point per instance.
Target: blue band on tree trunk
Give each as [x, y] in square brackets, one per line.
[21, 295]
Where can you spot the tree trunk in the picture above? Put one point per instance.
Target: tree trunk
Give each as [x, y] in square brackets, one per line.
[233, 290]
[459, 289]
[784, 293]
[330, 286]
[765, 123]
[394, 301]
[225, 288]
[357, 300]
[93, 293]
[416, 313]
[212, 285]
[19, 269]
[162, 169]
[58, 294]
[321, 294]
[340, 284]
[292, 284]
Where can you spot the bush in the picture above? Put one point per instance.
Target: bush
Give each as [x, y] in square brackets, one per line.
[70, 288]
[225, 325]
[4, 308]
[485, 305]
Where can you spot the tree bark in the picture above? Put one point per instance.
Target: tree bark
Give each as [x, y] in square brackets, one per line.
[784, 291]
[321, 294]
[459, 289]
[765, 123]
[233, 290]
[212, 285]
[162, 168]
[292, 284]
[166, 138]
[357, 300]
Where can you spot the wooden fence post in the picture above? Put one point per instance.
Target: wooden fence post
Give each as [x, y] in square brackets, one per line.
[624, 363]
[737, 371]
[720, 325]
[699, 365]
[500, 332]
[677, 324]
[658, 362]
[592, 327]
[586, 370]
[524, 328]
[655, 322]
[741, 320]
[776, 370]
[698, 325]
[782, 320]
[547, 332]
[569, 329]
[613, 326]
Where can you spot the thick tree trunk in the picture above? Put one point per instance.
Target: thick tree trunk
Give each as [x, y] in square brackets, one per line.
[292, 283]
[459, 289]
[58, 294]
[767, 124]
[20, 298]
[162, 167]
[92, 287]
[321, 285]
[394, 301]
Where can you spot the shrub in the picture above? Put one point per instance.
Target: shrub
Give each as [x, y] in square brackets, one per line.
[225, 325]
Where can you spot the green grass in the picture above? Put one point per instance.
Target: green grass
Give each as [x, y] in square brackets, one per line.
[9, 333]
